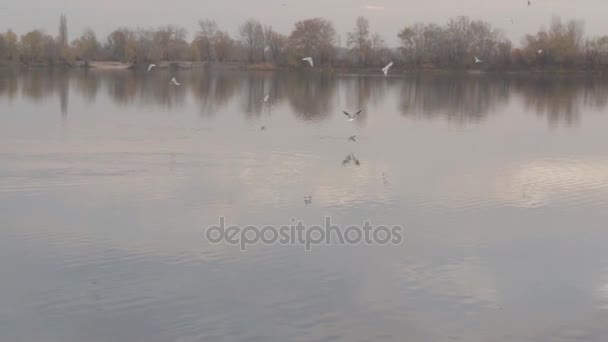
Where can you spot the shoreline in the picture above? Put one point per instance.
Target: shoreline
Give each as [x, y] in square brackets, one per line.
[267, 67]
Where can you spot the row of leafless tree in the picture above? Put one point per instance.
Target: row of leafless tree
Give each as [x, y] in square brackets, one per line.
[453, 45]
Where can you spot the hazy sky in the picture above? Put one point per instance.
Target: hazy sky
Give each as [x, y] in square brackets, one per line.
[386, 16]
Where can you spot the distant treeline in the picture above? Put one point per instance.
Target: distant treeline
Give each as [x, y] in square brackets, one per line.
[451, 46]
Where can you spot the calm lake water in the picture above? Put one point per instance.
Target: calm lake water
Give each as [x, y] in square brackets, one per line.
[108, 181]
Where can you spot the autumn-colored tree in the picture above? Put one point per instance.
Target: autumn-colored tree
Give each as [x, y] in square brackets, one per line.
[32, 46]
[86, 47]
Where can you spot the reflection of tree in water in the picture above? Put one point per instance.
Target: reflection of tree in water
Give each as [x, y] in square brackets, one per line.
[39, 84]
[457, 97]
[360, 90]
[310, 95]
[87, 84]
[64, 93]
[8, 84]
[213, 89]
[254, 90]
[562, 98]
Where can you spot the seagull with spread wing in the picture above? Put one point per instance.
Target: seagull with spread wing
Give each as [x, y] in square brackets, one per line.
[387, 68]
[352, 117]
[174, 82]
[310, 61]
[151, 66]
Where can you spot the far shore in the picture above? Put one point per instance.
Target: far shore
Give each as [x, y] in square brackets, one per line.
[268, 67]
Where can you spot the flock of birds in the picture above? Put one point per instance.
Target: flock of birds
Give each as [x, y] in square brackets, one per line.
[350, 159]
[309, 60]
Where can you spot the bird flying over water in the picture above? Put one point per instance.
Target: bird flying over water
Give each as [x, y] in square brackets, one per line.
[174, 82]
[386, 68]
[310, 61]
[352, 117]
[477, 60]
[351, 159]
[266, 98]
[151, 66]
[540, 52]
[352, 138]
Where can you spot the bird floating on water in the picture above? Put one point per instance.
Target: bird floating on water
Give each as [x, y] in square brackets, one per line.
[477, 60]
[387, 68]
[151, 66]
[352, 117]
[310, 61]
[174, 82]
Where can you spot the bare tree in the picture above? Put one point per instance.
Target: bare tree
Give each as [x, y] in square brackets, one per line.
[313, 37]
[252, 38]
[224, 46]
[276, 45]
[205, 38]
[359, 41]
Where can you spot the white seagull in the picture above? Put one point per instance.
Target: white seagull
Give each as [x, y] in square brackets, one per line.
[151, 66]
[352, 117]
[266, 98]
[477, 60]
[540, 52]
[386, 68]
[310, 61]
[174, 82]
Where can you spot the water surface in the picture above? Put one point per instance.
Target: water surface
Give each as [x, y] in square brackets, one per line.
[108, 181]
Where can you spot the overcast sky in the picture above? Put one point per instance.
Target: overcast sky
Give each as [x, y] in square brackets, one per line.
[387, 17]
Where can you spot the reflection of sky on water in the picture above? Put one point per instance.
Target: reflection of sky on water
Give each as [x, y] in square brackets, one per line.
[104, 208]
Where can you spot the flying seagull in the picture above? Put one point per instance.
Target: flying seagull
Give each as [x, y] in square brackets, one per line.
[352, 117]
[174, 82]
[266, 98]
[540, 52]
[386, 68]
[477, 60]
[310, 61]
[151, 66]
[352, 138]
[351, 159]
